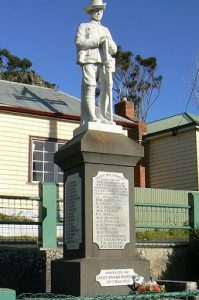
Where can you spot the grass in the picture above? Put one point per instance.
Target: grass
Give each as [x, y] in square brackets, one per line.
[14, 218]
[18, 238]
[158, 234]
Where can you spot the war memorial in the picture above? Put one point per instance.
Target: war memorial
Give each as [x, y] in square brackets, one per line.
[98, 164]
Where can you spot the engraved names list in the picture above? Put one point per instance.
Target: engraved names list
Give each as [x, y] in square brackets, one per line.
[111, 229]
[73, 213]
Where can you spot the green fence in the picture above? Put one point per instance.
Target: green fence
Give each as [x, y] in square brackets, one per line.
[30, 220]
[166, 209]
[159, 215]
[19, 219]
[10, 295]
[164, 214]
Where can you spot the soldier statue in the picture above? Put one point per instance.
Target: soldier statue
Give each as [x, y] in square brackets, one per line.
[95, 48]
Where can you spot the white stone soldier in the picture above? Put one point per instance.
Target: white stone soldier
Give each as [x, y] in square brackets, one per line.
[95, 48]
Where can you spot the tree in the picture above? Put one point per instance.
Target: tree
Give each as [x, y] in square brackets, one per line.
[194, 94]
[135, 80]
[12, 68]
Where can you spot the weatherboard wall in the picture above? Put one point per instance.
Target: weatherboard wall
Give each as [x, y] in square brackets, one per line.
[173, 161]
[197, 147]
[16, 131]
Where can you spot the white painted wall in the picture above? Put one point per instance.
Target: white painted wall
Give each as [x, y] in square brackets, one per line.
[15, 133]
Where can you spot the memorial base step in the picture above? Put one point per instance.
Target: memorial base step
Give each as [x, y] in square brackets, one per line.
[96, 276]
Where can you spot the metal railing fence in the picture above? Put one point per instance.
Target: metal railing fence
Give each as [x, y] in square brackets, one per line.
[136, 296]
[162, 215]
[20, 219]
[30, 220]
[159, 215]
[162, 209]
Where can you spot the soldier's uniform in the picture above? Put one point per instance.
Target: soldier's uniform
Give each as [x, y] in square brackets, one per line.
[91, 57]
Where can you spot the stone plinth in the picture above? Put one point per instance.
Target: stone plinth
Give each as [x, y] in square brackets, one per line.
[98, 127]
[99, 231]
[80, 276]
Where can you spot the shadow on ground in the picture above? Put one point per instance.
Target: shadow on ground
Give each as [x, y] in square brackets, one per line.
[182, 266]
[23, 269]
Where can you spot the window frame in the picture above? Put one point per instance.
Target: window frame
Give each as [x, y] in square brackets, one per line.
[42, 139]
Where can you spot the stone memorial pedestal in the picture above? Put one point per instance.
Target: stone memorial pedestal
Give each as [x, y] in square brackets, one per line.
[99, 231]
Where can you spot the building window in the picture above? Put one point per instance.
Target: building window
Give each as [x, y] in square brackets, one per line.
[43, 167]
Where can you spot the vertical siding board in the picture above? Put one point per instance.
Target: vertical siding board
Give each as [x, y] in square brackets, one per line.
[171, 159]
[197, 147]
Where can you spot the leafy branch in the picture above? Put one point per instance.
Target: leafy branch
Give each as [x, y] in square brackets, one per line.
[135, 79]
[12, 68]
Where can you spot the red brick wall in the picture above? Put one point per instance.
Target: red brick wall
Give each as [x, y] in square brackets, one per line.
[141, 169]
[126, 109]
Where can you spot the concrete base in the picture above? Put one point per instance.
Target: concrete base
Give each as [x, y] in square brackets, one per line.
[78, 277]
[96, 149]
[99, 127]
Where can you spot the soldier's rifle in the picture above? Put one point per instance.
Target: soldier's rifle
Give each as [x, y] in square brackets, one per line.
[108, 70]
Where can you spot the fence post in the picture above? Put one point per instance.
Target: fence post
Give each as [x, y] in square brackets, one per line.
[7, 294]
[48, 194]
[193, 199]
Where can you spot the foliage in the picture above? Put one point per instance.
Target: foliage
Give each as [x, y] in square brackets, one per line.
[158, 234]
[12, 68]
[135, 80]
[194, 241]
[14, 218]
[21, 238]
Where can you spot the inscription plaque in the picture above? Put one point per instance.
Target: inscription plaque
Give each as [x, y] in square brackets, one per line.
[73, 212]
[115, 277]
[111, 229]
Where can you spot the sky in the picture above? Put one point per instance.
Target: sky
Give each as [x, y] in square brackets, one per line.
[44, 32]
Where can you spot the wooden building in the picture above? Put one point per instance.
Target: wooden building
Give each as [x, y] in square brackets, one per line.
[35, 122]
[173, 152]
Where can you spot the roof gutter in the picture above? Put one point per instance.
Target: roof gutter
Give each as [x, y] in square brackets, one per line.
[57, 115]
[173, 130]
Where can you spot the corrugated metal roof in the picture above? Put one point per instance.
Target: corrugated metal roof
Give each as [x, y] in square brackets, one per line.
[24, 96]
[37, 98]
[173, 122]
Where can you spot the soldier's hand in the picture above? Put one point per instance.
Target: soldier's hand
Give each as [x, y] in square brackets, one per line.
[103, 39]
[108, 64]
